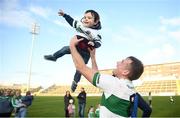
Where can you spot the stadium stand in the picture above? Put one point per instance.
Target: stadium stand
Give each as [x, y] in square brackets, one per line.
[59, 90]
[160, 79]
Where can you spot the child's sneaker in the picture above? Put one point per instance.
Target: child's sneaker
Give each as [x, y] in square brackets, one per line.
[50, 57]
[73, 86]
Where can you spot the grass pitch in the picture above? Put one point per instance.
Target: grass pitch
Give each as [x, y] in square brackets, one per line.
[53, 106]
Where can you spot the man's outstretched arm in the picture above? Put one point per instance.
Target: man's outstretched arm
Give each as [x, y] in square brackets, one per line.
[93, 59]
[87, 72]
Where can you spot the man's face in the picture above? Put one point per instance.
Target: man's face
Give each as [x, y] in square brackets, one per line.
[124, 66]
[82, 89]
[18, 93]
[67, 93]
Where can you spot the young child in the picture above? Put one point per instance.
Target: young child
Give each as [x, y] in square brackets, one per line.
[27, 100]
[88, 29]
[97, 111]
[91, 112]
[71, 108]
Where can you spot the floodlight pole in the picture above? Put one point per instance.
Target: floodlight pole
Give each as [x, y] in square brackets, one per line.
[34, 31]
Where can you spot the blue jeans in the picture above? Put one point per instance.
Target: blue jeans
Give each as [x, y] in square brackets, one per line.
[66, 50]
[62, 52]
[21, 113]
[81, 109]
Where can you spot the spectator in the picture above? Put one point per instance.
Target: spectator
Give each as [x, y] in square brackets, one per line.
[17, 104]
[67, 97]
[171, 99]
[81, 102]
[150, 99]
[6, 107]
[91, 112]
[97, 111]
[27, 100]
[71, 108]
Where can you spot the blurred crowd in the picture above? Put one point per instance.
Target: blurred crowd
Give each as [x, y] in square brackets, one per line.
[12, 102]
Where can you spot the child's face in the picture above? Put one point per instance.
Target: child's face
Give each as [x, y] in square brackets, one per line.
[88, 20]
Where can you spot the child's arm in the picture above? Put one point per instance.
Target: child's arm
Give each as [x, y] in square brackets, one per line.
[96, 42]
[16, 104]
[74, 23]
[68, 18]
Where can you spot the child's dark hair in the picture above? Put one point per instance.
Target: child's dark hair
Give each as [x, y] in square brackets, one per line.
[95, 14]
[96, 18]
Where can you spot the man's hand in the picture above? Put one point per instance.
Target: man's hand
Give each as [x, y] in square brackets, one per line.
[74, 41]
[92, 52]
[93, 59]
[61, 12]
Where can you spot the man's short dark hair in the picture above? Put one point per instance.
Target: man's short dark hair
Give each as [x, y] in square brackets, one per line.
[137, 68]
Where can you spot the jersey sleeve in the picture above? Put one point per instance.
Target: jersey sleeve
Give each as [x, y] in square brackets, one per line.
[97, 41]
[74, 23]
[105, 82]
[69, 19]
[95, 37]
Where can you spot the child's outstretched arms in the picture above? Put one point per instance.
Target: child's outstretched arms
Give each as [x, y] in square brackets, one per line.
[61, 12]
[68, 18]
[74, 23]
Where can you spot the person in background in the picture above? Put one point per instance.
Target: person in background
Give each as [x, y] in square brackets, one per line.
[81, 102]
[171, 99]
[6, 107]
[97, 111]
[27, 100]
[71, 108]
[91, 113]
[67, 97]
[17, 104]
[150, 99]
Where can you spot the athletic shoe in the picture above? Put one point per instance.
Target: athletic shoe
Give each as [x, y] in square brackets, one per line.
[50, 57]
[73, 86]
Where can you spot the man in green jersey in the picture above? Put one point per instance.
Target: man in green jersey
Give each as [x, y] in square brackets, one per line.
[117, 89]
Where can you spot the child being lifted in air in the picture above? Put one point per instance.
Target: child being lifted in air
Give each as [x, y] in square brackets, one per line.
[88, 29]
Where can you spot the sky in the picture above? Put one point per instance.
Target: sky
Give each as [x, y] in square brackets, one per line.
[146, 29]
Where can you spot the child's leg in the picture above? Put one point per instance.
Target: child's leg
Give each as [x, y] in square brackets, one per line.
[77, 76]
[62, 52]
[58, 54]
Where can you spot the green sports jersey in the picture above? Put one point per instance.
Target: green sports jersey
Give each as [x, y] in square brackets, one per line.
[116, 94]
[91, 115]
[97, 113]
